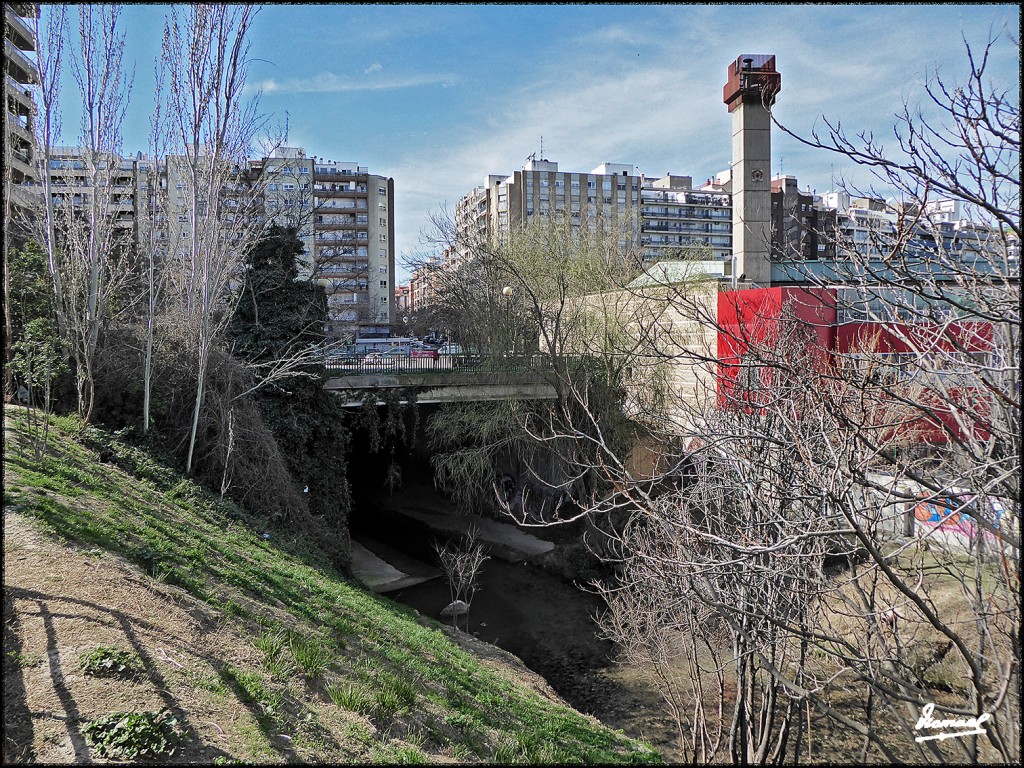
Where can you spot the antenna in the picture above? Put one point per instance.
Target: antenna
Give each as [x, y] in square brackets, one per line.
[286, 127]
[542, 148]
[780, 165]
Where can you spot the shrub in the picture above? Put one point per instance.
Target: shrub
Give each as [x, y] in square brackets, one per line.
[107, 661]
[131, 735]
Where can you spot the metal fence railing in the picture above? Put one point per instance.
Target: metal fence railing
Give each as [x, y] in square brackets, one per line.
[398, 364]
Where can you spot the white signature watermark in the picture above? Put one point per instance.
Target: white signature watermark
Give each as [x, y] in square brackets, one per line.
[969, 726]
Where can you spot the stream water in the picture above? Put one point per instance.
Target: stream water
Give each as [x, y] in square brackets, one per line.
[545, 620]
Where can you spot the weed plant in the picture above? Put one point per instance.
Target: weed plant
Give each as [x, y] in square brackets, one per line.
[133, 735]
[310, 654]
[107, 661]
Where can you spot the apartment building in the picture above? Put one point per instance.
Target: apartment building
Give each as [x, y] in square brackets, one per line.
[343, 214]
[74, 178]
[20, 76]
[800, 222]
[353, 232]
[609, 195]
[677, 220]
[665, 216]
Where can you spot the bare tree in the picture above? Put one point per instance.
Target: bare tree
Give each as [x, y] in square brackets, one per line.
[461, 563]
[97, 245]
[206, 56]
[51, 39]
[516, 301]
[845, 522]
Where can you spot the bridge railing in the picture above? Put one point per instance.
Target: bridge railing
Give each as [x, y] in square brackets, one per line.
[466, 363]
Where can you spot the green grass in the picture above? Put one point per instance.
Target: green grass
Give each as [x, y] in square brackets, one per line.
[369, 655]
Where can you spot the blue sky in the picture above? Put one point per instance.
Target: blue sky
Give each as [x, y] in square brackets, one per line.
[439, 96]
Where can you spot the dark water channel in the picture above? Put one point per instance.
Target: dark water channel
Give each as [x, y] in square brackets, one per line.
[542, 618]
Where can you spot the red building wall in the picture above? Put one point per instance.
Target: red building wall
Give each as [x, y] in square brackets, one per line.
[751, 317]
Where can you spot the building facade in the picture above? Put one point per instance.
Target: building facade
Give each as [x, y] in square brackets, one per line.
[679, 221]
[20, 76]
[609, 195]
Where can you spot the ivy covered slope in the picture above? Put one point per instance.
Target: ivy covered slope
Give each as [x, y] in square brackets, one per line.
[143, 616]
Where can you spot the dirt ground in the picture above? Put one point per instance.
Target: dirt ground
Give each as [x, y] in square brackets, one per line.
[56, 608]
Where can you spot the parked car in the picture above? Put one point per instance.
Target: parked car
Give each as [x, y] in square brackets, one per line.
[385, 354]
[341, 356]
[450, 349]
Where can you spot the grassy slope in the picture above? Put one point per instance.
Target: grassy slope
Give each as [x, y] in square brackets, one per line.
[409, 692]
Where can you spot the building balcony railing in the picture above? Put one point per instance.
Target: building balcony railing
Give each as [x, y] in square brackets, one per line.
[340, 225]
[686, 213]
[19, 29]
[683, 228]
[322, 170]
[324, 191]
[24, 69]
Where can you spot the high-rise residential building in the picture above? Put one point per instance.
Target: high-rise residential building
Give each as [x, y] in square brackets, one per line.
[72, 183]
[680, 221]
[609, 194]
[343, 214]
[20, 75]
[345, 217]
[353, 229]
[800, 223]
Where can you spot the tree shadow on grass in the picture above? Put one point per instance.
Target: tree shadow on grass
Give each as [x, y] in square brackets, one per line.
[127, 625]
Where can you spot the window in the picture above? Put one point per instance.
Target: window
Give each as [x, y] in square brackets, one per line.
[383, 238]
[289, 187]
[383, 222]
[383, 283]
[303, 170]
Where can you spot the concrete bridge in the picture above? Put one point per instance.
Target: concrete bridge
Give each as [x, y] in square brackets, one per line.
[445, 380]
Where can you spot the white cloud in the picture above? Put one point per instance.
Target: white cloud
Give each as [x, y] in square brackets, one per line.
[328, 82]
[375, 67]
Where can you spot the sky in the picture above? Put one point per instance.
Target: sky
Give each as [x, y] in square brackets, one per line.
[440, 96]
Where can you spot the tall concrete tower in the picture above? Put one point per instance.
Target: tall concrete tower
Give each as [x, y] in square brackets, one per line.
[749, 93]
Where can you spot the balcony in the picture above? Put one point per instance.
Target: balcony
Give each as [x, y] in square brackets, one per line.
[19, 96]
[336, 173]
[19, 31]
[19, 66]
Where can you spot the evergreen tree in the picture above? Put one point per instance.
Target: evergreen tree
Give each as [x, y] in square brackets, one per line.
[279, 316]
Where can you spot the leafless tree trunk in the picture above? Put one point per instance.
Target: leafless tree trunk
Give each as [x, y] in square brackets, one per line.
[206, 59]
[99, 247]
[461, 563]
[50, 45]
